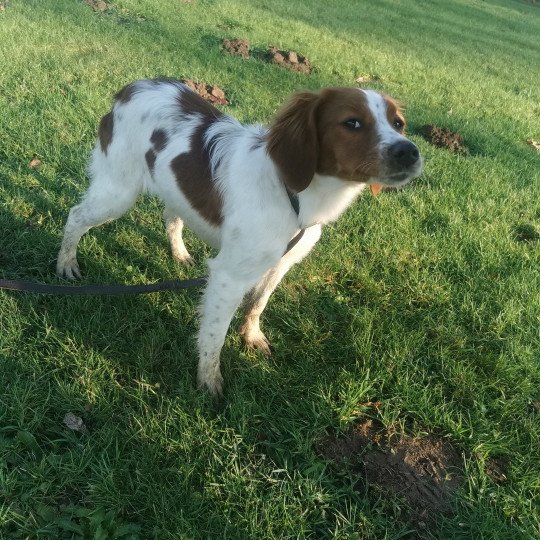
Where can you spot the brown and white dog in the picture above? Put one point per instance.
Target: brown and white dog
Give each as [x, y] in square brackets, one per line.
[245, 190]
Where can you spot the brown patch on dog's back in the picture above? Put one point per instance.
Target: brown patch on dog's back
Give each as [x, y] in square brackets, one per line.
[150, 157]
[125, 94]
[159, 139]
[192, 169]
[105, 131]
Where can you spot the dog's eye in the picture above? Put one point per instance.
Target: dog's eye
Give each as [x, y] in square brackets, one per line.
[398, 124]
[352, 123]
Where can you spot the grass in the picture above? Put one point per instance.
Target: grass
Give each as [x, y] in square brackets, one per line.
[427, 300]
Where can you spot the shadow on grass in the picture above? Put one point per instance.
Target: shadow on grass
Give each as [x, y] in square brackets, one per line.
[288, 444]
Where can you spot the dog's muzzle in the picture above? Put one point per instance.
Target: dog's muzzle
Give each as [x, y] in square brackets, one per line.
[403, 162]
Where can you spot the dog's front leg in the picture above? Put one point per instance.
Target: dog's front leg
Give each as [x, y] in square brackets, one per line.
[224, 293]
[258, 298]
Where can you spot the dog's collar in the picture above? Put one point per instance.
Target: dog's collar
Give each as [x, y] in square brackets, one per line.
[295, 201]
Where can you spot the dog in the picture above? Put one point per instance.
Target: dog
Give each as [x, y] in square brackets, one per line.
[259, 195]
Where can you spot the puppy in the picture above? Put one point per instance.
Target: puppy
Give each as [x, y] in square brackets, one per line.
[257, 194]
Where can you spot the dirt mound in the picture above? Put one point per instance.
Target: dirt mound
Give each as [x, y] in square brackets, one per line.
[424, 471]
[237, 47]
[525, 232]
[97, 5]
[497, 469]
[289, 59]
[210, 92]
[444, 138]
[534, 144]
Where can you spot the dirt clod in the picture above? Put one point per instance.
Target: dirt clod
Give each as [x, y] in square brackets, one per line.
[210, 92]
[34, 163]
[237, 47]
[425, 471]
[525, 232]
[496, 469]
[534, 144]
[289, 59]
[367, 79]
[444, 138]
[97, 5]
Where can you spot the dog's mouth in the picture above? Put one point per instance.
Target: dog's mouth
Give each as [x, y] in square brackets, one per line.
[401, 177]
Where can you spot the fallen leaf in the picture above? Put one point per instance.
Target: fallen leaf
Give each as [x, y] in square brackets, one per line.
[74, 422]
[34, 163]
[534, 144]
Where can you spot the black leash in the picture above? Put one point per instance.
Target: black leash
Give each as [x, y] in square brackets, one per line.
[45, 288]
[171, 285]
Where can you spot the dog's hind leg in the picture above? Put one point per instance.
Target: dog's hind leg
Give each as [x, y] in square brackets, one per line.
[174, 226]
[108, 197]
[258, 297]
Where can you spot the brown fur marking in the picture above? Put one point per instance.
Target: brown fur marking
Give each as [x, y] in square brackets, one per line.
[105, 131]
[393, 112]
[125, 93]
[345, 153]
[150, 157]
[159, 139]
[292, 141]
[192, 169]
[308, 135]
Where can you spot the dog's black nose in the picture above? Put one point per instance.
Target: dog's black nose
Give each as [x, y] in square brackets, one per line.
[404, 153]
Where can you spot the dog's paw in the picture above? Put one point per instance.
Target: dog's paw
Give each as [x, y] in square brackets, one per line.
[211, 382]
[68, 268]
[184, 258]
[255, 339]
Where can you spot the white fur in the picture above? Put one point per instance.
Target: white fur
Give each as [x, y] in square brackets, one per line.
[258, 219]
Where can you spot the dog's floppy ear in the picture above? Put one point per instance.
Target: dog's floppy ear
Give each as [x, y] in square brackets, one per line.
[292, 141]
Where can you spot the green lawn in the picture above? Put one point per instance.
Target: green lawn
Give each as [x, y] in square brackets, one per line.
[427, 300]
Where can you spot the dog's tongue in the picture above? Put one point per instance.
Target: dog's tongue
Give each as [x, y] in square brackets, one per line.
[375, 189]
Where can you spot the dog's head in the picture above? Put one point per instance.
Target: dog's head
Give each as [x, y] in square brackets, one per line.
[352, 134]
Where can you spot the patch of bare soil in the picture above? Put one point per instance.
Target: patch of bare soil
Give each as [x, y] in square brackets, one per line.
[534, 144]
[524, 232]
[237, 47]
[97, 5]
[210, 92]
[425, 471]
[289, 59]
[444, 138]
[367, 79]
[497, 469]
[34, 163]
